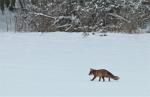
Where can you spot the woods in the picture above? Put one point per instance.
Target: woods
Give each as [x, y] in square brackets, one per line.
[79, 15]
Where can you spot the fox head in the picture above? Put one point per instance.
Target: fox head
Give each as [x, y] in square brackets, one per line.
[91, 71]
[116, 78]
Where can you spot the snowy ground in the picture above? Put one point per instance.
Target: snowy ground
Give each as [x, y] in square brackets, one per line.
[57, 64]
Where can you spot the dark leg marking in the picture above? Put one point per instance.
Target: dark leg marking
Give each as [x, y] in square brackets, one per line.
[99, 78]
[93, 78]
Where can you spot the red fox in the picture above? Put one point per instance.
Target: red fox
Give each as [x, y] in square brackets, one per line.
[101, 73]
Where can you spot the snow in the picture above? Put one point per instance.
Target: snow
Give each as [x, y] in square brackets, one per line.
[7, 21]
[57, 64]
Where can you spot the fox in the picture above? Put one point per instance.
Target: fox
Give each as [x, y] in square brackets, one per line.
[102, 73]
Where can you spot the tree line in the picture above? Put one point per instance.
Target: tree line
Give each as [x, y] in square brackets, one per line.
[79, 15]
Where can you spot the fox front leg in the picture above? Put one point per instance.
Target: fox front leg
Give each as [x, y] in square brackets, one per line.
[99, 78]
[93, 78]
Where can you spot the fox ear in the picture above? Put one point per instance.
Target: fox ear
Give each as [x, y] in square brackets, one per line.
[91, 69]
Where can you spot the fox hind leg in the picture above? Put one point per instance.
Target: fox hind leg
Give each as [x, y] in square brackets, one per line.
[103, 78]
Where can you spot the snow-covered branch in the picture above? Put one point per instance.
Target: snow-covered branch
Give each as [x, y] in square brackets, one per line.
[41, 14]
[119, 17]
[86, 15]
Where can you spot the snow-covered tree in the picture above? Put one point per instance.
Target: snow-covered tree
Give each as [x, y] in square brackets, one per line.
[80, 15]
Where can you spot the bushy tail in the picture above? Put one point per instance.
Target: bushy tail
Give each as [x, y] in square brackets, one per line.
[112, 76]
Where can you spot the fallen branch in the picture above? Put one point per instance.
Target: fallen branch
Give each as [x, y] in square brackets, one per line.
[66, 25]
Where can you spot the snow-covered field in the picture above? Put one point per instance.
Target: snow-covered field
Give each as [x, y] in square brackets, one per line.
[57, 64]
